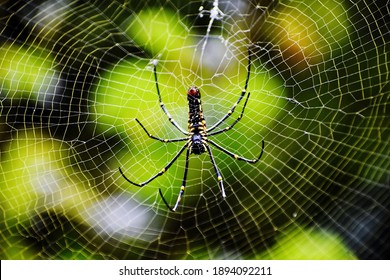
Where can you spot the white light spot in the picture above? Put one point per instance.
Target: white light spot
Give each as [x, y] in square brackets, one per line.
[120, 216]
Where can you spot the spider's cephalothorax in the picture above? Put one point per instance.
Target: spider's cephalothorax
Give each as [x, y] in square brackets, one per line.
[196, 140]
[196, 122]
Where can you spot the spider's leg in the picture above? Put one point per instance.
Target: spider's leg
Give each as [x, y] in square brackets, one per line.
[236, 121]
[236, 156]
[175, 124]
[239, 98]
[166, 203]
[158, 138]
[159, 173]
[219, 177]
[184, 182]
[182, 188]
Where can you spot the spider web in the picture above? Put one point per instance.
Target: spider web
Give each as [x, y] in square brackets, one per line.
[74, 75]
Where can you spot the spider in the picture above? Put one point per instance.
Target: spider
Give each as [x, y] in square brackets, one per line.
[196, 140]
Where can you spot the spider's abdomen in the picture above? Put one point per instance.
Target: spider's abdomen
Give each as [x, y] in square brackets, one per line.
[195, 115]
[196, 122]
